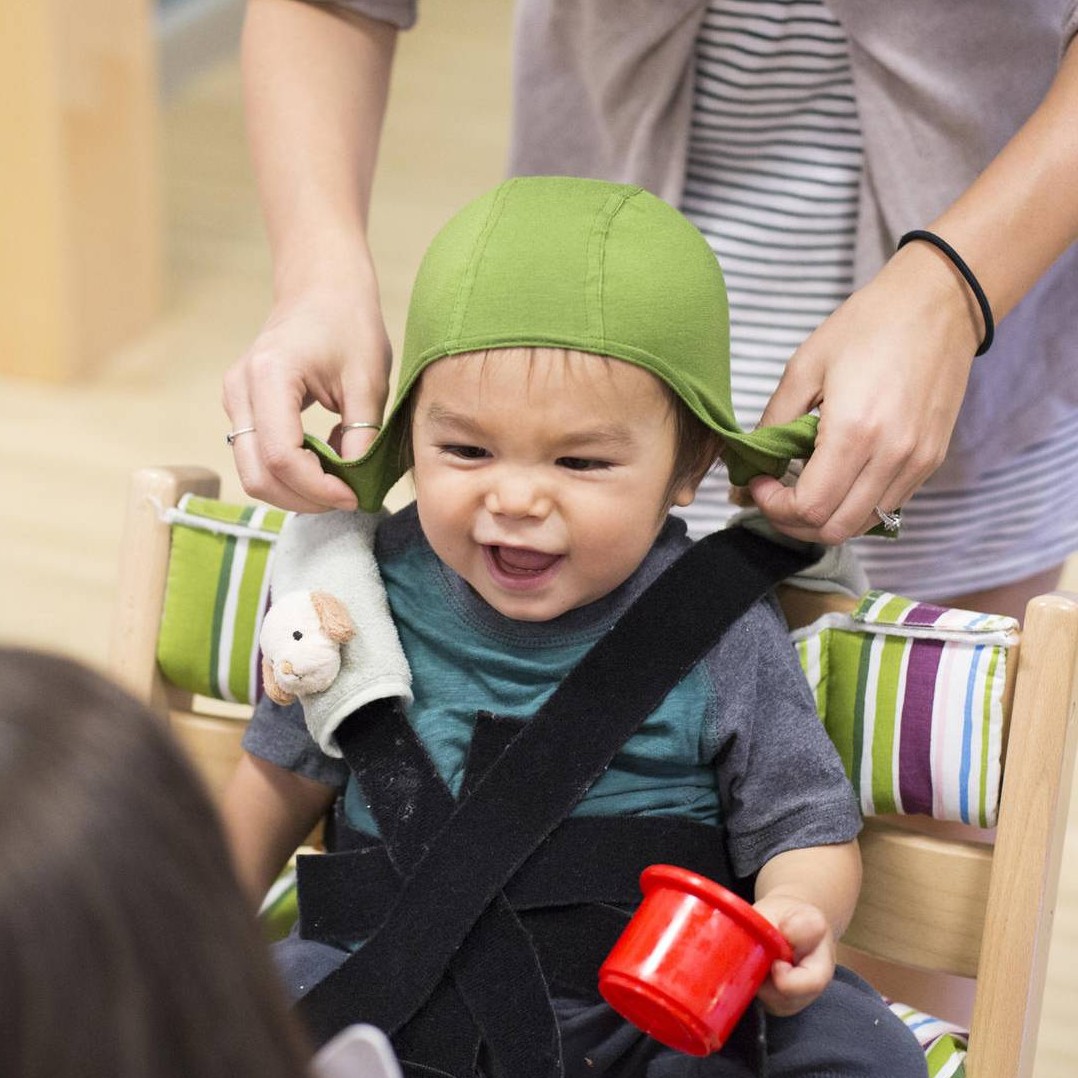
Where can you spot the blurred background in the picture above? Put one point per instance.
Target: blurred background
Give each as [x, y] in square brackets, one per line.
[134, 270]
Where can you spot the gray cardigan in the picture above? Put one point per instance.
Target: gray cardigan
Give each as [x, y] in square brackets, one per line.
[603, 88]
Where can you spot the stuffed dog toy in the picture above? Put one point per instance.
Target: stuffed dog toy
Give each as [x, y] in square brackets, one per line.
[329, 637]
[301, 642]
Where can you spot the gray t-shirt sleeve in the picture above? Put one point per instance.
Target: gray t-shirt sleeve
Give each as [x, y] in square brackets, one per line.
[781, 780]
[279, 735]
[400, 13]
[1070, 23]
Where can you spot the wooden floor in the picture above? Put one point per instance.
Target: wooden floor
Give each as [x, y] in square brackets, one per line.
[66, 453]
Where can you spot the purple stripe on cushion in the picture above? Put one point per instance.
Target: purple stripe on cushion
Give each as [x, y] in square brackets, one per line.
[923, 614]
[915, 733]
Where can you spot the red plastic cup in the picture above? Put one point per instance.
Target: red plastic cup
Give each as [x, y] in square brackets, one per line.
[690, 961]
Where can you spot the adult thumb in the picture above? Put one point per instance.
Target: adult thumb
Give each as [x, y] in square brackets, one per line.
[798, 392]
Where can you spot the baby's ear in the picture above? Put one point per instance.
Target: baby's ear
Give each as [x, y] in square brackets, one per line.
[273, 690]
[333, 616]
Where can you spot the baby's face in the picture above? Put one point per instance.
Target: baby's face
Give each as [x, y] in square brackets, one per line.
[542, 477]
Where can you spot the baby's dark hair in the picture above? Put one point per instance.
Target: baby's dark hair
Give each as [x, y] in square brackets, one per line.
[698, 446]
[126, 946]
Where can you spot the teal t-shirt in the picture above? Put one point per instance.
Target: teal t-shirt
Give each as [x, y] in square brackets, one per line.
[737, 741]
[465, 656]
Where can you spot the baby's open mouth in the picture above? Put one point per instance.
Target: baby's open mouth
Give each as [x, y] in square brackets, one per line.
[519, 561]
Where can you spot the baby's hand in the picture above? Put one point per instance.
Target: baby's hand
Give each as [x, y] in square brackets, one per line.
[791, 988]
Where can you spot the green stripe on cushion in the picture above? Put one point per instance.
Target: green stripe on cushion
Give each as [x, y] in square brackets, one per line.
[847, 673]
[946, 1058]
[993, 685]
[220, 601]
[215, 596]
[891, 652]
[893, 609]
[280, 907]
[267, 519]
[943, 1043]
[185, 642]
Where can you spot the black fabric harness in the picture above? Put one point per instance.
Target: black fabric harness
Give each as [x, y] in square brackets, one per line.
[475, 909]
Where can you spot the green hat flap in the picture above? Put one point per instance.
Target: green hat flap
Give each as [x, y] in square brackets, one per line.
[583, 264]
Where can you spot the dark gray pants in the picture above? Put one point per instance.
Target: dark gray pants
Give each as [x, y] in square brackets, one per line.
[847, 1033]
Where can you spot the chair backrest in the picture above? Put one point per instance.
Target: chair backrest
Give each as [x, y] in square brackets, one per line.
[210, 729]
[939, 900]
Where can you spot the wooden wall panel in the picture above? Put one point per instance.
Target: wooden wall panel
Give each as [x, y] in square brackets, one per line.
[80, 227]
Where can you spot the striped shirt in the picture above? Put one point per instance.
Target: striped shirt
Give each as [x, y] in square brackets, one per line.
[772, 179]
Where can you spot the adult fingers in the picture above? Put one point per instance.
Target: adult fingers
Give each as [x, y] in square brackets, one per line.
[271, 462]
[854, 515]
[362, 401]
[799, 390]
[836, 494]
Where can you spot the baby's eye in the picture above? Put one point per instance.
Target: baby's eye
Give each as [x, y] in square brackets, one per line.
[465, 452]
[582, 464]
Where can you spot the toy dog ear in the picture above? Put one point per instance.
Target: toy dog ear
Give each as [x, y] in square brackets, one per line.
[273, 690]
[333, 616]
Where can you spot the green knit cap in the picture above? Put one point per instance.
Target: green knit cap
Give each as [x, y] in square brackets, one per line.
[583, 264]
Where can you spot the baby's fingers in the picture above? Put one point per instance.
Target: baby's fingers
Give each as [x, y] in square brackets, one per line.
[794, 985]
[791, 988]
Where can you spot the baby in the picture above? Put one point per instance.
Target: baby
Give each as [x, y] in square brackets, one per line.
[564, 385]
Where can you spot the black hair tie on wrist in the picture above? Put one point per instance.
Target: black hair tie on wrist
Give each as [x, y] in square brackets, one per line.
[967, 273]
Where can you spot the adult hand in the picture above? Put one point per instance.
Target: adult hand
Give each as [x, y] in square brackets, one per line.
[887, 371]
[328, 346]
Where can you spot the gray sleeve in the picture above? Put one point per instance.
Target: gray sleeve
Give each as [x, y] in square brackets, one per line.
[400, 13]
[279, 735]
[782, 783]
[1070, 22]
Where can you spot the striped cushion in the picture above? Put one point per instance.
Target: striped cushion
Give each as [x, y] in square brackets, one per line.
[216, 596]
[912, 696]
[944, 1044]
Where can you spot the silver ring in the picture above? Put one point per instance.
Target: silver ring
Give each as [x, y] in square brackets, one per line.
[360, 426]
[892, 522]
[232, 435]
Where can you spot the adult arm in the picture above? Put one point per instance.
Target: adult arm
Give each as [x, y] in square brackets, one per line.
[809, 895]
[315, 82]
[888, 369]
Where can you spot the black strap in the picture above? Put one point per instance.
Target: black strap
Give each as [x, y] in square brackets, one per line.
[554, 760]
[588, 859]
[496, 971]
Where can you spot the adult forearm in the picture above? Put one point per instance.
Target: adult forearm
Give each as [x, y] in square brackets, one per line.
[315, 82]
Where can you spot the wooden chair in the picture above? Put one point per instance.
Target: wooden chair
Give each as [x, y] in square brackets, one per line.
[942, 901]
[937, 900]
[210, 731]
